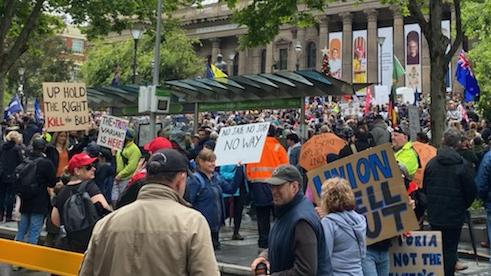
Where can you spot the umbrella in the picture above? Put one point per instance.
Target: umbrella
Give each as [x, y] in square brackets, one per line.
[425, 154]
[315, 150]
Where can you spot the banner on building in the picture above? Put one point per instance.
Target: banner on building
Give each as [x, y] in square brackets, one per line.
[387, 56]
[360, 58]
[379, 190]
[65, 106]
[448, 76]
[336, 54]
[412, 38]
[418, 254]
[112, 132]
[242, 143]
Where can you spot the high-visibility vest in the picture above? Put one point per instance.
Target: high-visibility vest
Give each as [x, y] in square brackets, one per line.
[274, 155]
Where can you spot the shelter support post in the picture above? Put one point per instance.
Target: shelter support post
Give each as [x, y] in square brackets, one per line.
[196, 118]
[303, 132]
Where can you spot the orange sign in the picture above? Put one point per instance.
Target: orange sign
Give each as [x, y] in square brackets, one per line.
[425, 153]
[315, 150]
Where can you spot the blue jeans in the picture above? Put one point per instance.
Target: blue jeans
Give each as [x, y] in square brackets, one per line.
[376, 263]
[30, 227]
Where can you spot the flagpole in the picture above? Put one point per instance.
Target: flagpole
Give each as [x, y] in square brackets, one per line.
[156, 64]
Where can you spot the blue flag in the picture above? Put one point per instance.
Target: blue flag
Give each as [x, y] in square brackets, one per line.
[467, 79]
[15, 106]
[37, 111]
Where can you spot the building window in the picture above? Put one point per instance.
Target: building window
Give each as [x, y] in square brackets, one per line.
[77, 46]
[283, 65]
[263, 61]
[235, 68]
[311, 55]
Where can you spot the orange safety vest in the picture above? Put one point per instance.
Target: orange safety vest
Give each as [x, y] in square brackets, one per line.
[274, 154]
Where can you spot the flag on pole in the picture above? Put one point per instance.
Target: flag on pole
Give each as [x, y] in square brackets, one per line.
[15, 106]
[466, 78]
[37, 111]
[417, 97]
[397, 73]
[212, 72]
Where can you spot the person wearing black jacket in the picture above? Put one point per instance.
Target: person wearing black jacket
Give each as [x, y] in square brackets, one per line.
[10, 157]
[450, 189]
[29, 131]
[34, 209]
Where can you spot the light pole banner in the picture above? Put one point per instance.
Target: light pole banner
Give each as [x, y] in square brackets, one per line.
[65, 106]
[360, 58]
[242, 143]
[335, 54]
[413, 56]
[387, 56]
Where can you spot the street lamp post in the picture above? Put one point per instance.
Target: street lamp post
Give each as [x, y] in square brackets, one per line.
[380, 41]
[136, 33]
[22, 71]
[231, 58]
[298, 51]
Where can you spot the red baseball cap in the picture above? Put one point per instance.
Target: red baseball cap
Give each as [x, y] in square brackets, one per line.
[80, 160]
[157, 144]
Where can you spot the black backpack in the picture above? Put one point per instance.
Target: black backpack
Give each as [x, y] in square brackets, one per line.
[25, 178]
[79, 213]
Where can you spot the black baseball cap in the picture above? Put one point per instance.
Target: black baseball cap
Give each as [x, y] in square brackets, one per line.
[399, 130]
[285, 173]
[167, 160]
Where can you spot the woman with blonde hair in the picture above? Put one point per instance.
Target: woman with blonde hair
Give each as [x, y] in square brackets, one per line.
[57, 152]
[344, 229]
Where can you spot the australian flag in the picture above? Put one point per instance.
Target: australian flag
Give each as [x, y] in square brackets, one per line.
[467, 79]
[15, 106]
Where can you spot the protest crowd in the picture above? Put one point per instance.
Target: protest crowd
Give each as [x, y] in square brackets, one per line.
[157, 209]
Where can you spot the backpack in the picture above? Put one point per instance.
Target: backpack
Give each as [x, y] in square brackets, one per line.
[25, 178]
[79, 213]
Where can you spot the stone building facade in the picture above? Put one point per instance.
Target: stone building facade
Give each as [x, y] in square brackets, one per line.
[212, 25]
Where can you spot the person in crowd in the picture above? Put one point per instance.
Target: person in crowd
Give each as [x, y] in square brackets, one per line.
[361, 140]
[273, 155]
[81, 169]
[465, 150]
[379, 131]
[204, 191]
[159, 223]
[126, 165]
[234, 203]
[404, 151]
[344, 229]
[297, 243]
[453, 113]
[294, 148]
[204, 142]
[57, 152]
[483, 182]
[104, 173]
[10, 157]
[35, 207]
[30, 129]
[450, 189]
[422, 138]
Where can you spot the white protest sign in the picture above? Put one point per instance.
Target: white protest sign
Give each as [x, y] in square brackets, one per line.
[65, 106]
[381, 94]
[243, 143]
[112, 132]
[418, 254]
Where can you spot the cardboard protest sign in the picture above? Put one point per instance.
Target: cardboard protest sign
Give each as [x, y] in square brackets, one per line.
[378, 187]
[314, 151]
[243, 143]
[112, 132]
[65, 106]
[419, 254]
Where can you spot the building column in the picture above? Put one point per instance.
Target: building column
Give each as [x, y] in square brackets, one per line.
[269, 57]
[215, 49]
[302, 57]
[372, 47]
[425, 66]
[243, 57]
[399, 40]
[323, 40]
[347, 47]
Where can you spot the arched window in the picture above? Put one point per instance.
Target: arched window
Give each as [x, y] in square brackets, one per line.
[235, 68]
[311, 55]
[263, 61]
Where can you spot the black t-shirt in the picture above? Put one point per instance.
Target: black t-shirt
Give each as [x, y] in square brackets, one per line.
[68, 191]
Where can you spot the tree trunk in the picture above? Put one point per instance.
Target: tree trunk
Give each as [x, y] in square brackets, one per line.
[438, 99]
[3, 78]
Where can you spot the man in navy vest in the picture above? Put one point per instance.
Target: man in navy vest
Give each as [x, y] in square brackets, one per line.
[296, 241]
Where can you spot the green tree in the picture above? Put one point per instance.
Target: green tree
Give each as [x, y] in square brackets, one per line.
[265, 17]
[178, 59]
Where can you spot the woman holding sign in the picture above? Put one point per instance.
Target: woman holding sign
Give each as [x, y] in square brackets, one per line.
[204, 191]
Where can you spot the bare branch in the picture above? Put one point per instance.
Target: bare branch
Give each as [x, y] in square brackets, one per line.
[8, 15]
[460, 35]
[415, 10]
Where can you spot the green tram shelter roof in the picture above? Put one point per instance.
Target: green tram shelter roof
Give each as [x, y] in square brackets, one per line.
[279, 90]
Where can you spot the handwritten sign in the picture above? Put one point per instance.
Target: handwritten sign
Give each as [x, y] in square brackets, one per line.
[314, 151]
[243, 143]
[112, 132]
[378, 187]
[65, 106]
[419, 254]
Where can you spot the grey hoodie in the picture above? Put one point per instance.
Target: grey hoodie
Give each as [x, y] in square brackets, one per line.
[345, 241]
